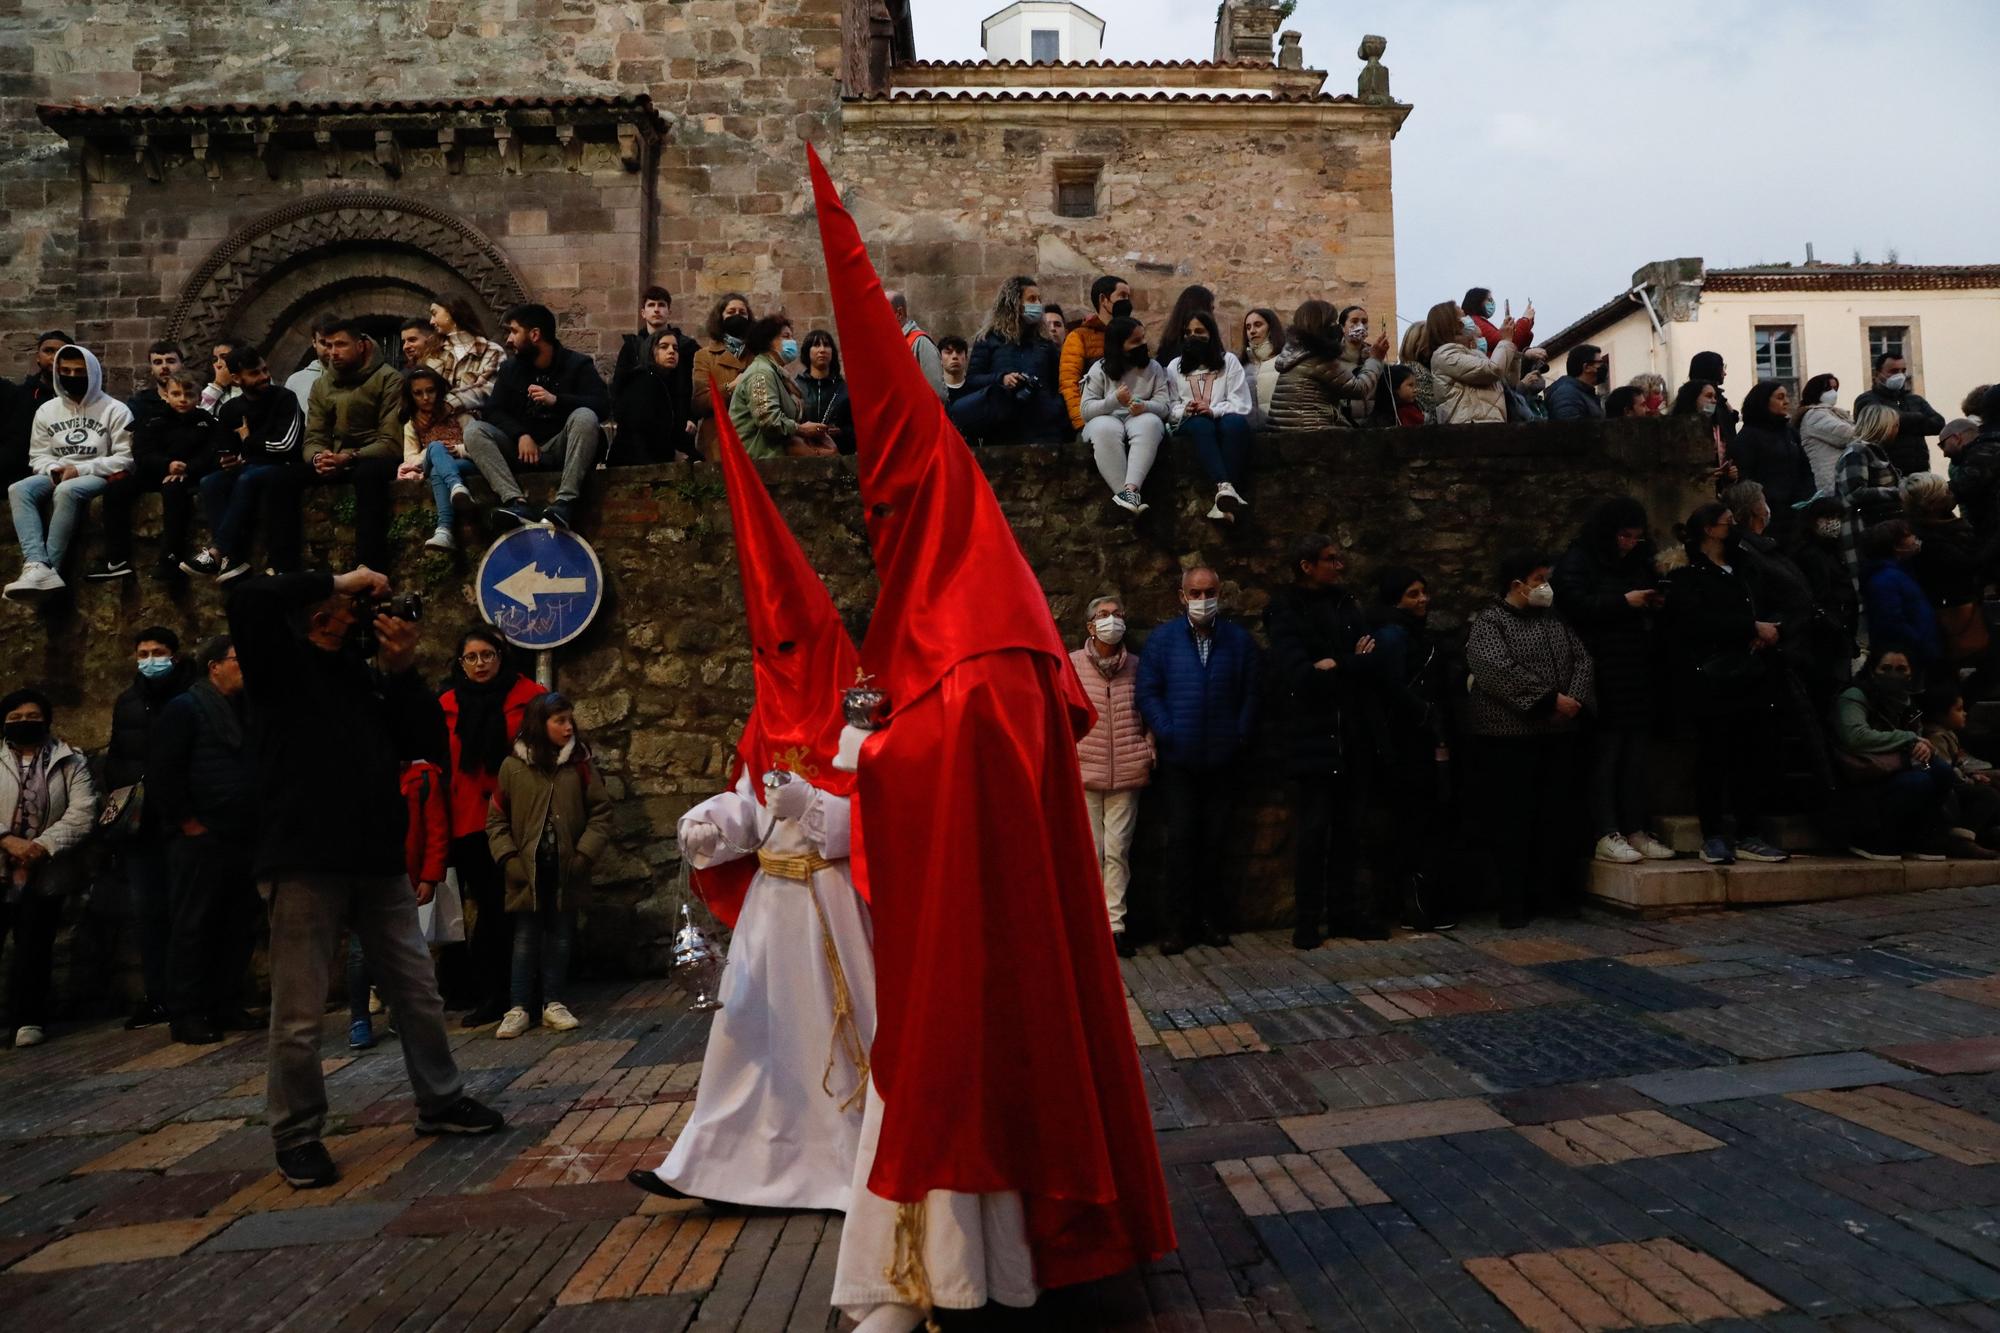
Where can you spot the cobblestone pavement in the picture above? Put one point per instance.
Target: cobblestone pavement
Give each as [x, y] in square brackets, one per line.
[1784, 1119]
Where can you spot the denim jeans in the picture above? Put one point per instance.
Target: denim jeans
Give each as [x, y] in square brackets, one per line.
[447, 470]
[48, 546]
[230, 501]
[572, 448]
[1222, 444]
[542, 942]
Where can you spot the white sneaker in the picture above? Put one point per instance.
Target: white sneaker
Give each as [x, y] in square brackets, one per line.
[27, 1035]
[442, 540]
[461, 499]
[1649, 846]
[36, 582]
[1225, 491]
[1613, 847]
[557, 1017]
[1216, 512]
[513, 1025]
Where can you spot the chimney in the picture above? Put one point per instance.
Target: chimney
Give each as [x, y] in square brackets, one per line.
[1244, 29]
[1809, 253]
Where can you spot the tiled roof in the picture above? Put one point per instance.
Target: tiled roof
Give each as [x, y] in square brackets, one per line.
[1086, 64]
[194, 110]
[1852, 278]
[1595, 322]
[1136, 95]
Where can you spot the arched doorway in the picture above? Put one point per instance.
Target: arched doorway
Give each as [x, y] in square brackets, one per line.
[372, 256]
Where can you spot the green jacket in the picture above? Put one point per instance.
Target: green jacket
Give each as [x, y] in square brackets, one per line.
[524, 800]
[1859, 729]
[765, 407]
[362, 412]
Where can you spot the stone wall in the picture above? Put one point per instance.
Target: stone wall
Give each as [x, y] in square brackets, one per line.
[663, 679]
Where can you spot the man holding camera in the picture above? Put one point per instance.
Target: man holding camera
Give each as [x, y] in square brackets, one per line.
[329, 735]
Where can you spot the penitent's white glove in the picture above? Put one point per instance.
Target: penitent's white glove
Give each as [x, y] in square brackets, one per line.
[700, 839]
[790, 800]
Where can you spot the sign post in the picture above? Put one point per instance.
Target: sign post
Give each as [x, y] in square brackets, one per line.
[540, 586]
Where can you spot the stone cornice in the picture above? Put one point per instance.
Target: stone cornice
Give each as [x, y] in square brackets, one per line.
[1177, 113]
[1193, 75]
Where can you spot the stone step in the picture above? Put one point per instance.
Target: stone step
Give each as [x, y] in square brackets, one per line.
[1657, 887]
[1792, 833]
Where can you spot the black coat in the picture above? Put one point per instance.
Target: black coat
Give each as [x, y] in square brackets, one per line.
[329, 734]
[1948, 567]
[1591, 582]
[826, 401]
[1910, 451]
[201, 772]
[1001, 418]
[635, 353]
[1709, 625]
[132, 719]
[1975, 480]
[1785, 597]
[571, 376]
[1326, 730]
[652, 408]
[1768, 455]
[166, 436]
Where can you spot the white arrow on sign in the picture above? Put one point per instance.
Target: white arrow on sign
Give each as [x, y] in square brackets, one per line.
[527, 583]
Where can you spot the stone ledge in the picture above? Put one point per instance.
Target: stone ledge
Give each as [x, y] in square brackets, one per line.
[1661, 886]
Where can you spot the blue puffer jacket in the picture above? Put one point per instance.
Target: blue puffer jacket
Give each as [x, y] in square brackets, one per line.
[1200, 716]
[1899, 615]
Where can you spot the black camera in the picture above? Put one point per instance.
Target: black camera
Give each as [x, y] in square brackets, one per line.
[1026, 388]
[401, 605]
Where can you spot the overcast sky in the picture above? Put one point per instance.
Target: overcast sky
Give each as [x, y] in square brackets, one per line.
[1556, 147]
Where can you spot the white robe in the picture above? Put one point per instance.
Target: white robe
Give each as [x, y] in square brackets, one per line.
[764, 1132]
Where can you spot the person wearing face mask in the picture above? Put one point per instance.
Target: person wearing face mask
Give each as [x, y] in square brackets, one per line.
[1574, 397]
[1765, 452]
[1197, 692]
[1701, 400]
[140, 845]
[1652, 391]
[1317, 388]
[1193, 300]
[1708, 367]
[1533, 684]
[48, 806]
[1480, 307]
[1719, 647]
[1126, 400]
[1357, 346]
[1824, 429]
[1974, 450]
[1893, 603]
[79, 444]
[1917, 420]
[1816, 550]
[1871, 488]
[1416, 775]
[1263, 340]
[718, 362]
[1110, 298]
[1323, 656]
[1211, 407]
[1895, 787]
[1011, 395]
[1117, 755]
[1472, 382]
[766, 406]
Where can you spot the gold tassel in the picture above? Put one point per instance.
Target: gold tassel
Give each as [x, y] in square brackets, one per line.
[846, 1032]
[906, 1271]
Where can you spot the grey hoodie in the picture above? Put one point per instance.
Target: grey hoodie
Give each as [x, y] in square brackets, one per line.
[94, 436]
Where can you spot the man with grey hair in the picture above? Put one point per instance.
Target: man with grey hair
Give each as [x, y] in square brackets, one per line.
[1117, 756]
[922, 346]
[1197, 691]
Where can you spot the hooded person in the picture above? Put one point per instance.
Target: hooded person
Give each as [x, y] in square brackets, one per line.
[79, 442]
[1708, 367]
[1007, 1146]
[777, 1114]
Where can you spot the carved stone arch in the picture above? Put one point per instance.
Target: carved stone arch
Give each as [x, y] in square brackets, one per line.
[290, 264]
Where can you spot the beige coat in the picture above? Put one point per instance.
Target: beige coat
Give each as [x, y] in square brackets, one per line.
[1471, 387]
[525, 799]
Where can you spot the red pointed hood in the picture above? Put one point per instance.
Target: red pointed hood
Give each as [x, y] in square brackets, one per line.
[804, 659]
[954, 582]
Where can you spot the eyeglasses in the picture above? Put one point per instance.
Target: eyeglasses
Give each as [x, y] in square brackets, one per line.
[479, 659]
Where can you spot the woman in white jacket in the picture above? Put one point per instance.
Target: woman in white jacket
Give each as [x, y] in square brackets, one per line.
[1125, 406]
[1471, 383]
[1825, 432]
[48, 807]
[1211, 405]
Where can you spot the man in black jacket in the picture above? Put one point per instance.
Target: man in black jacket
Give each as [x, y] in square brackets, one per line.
[330, 734]
[159, 675]
[204, 788]
[1322, 653]
[546, 408]
[1910, 451]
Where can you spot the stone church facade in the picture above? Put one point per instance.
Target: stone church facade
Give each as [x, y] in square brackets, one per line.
[184, 170]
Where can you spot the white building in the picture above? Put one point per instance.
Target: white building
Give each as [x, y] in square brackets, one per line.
[1042, 32]
[1790, 322]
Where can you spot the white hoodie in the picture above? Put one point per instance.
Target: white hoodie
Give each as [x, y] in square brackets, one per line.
[93, 436]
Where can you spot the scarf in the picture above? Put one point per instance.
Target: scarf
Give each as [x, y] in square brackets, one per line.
[219, 713]
[1108, 665]
[31, 811]
[482, 723]
[735, 346]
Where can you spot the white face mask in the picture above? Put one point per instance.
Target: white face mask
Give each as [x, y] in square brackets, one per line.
[1202, 610]
[1896, 383]
[1358, 334]
[1542, 595]
[1829, 398]
[1107, 629]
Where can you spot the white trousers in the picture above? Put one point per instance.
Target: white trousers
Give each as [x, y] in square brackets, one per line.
[1113, 816]
[1125, 450]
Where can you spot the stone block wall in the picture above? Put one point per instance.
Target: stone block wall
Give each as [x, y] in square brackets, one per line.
[663, 681]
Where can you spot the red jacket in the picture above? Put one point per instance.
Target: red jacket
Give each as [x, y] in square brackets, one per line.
[471, 792]
[428, 836]
[1523, 335]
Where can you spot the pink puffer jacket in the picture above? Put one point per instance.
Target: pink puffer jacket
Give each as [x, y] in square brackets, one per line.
[1117, 755]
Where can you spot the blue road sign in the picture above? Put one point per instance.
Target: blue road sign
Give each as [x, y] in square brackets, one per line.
[540, 586]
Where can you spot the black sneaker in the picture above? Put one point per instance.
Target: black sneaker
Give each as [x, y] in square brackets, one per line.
[1306, 939]
[308, 1166]
[1172, 945]
[558, 514]
[146, 1015]
[513, 514]
[464, 1116]
[1123, 943]
[203, 564]
[109, 569]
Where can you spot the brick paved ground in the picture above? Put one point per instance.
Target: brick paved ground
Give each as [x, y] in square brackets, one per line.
[1787, 1119]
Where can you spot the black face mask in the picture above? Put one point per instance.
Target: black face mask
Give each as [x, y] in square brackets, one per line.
[1121, 310]
[1195, 347]
[736, 325]
[1138, 356]
[74, 387]
[28, 734]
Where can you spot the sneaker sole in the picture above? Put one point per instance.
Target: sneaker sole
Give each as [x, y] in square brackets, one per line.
[1760, 858]
[308, 1182]
[435, 1127]
[230, 576]
[109, 576]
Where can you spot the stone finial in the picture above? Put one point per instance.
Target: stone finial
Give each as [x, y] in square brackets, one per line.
[1243, 29]
[1373, 85]
[1290, 54]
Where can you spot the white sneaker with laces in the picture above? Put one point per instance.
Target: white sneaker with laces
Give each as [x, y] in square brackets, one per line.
[557, 1017]
[442, 540]
[36, 581]
[1225, 491]
[28, 1034]
[1216, 512]
[1649, 846]
[1613, 847]
[513, 1025]
[461, 498]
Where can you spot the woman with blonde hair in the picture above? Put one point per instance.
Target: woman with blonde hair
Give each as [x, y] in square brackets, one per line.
[1867, 483]
[1415, 352]
[1471, 384]
[1012, 385]
[1652, 394]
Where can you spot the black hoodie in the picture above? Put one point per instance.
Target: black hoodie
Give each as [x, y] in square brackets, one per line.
[1708, 366]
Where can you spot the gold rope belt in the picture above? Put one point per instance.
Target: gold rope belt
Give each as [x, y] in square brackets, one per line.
[801, 867]
[907, 1273]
